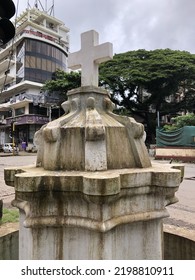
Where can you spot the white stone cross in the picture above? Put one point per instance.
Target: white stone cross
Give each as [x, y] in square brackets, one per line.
[89, 57]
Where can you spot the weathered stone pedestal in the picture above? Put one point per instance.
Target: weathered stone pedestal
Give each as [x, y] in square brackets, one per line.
[93, 193]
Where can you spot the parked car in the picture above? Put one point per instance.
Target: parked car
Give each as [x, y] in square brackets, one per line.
[8, 148]
[31, 148]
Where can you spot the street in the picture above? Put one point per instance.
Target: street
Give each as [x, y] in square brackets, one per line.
[7, 192]
[182, 213]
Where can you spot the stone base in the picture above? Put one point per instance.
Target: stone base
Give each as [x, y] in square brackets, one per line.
[135, 241]
[115, 214]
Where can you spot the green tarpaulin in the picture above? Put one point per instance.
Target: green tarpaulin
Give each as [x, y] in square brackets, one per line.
[184, 137]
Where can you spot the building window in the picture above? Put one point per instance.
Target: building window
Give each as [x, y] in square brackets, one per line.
[20, 62]
[41, 60]
[20, 111]
[37, 110]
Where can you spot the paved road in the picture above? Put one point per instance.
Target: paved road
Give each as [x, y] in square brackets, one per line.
[7, 192]
[182, 214]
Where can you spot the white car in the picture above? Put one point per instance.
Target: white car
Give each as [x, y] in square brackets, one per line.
[8, 148]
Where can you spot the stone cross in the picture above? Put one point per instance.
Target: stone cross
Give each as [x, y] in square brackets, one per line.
[89, 57]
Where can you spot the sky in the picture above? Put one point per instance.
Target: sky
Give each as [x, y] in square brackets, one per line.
[127, 24]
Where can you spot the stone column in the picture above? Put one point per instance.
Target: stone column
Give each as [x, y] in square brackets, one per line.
[93, 193]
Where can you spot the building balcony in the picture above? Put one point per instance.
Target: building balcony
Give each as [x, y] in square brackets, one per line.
[15, 88]
[6, 79]
[43, 36]
[15, 103]
[28, 119]
[4, 64]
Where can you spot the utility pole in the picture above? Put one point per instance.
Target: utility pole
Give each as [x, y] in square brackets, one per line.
[13, 137]
[158, 119]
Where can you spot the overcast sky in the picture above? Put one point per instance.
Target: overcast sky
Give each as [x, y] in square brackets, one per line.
[128, 24]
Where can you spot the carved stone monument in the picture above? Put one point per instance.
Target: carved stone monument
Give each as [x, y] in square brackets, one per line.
[93, 193]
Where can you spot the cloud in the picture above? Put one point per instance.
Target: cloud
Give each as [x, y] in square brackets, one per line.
[133, 24]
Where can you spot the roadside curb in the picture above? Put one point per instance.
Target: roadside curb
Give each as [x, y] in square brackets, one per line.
[19, 154]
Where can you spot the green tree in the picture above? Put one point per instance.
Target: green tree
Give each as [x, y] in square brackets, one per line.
[143, 81]
[63, 82]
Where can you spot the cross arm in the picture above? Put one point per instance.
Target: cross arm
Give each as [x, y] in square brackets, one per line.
[105, 53]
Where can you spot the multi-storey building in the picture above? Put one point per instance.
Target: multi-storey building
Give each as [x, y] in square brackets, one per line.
[39, 48]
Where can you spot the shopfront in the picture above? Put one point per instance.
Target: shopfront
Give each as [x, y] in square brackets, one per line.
[25, 127]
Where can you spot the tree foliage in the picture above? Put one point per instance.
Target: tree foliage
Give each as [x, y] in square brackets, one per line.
[63, 82]
[181, 121]
[143, 82]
